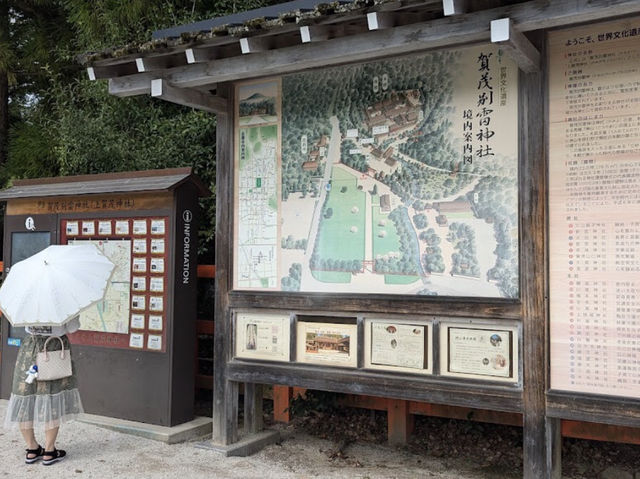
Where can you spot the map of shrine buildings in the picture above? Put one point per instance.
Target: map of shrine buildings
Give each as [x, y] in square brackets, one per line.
[389, 124]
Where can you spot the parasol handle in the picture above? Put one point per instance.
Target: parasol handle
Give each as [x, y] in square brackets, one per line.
[46, 356]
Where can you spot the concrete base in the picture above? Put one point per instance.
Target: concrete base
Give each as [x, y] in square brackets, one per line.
[198, 428]
[246, 446]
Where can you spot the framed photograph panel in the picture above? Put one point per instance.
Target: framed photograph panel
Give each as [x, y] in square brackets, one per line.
[329, 344]
[479, 351]
[262, 336]
[398, 345]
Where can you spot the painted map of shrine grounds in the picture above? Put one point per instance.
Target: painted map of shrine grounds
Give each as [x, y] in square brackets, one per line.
[395, 177]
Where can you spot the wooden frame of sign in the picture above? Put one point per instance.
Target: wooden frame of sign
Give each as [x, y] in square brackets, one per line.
[391, 382]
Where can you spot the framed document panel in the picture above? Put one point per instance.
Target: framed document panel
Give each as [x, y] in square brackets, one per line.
[398, 345]
[262, 336]
[329, 344]
[483, 351]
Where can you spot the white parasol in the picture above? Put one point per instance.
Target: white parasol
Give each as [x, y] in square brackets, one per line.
[54, 285]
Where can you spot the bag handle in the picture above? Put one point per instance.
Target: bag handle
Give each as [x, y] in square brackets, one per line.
[46, 357]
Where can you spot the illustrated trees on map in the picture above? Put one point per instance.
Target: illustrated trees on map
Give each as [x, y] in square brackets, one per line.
[292, 281]
[464, 260]
[356, 161]
[494, 194]
[420, 220]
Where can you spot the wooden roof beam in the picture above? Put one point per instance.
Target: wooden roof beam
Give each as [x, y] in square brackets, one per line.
[447, 32]
[454, 7]
[515, 44]
[314, 33]
[103, 72]
[200, 55]
[380, 20]
[255, 44]
[163, 62]
[131, 85]
[188, 97]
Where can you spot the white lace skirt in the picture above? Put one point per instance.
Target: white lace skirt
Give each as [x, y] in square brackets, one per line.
[42, 403]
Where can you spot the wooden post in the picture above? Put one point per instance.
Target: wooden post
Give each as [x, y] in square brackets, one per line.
[554, 448]
[225, 392]
[252, 408]
[533, 180]
[399, 422]
[282, 396]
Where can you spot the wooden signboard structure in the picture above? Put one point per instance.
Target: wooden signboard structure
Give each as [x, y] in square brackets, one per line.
[134, 351]
[384, 176]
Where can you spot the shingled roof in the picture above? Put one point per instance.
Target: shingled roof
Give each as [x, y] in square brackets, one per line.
[126, 182]
[274, 20]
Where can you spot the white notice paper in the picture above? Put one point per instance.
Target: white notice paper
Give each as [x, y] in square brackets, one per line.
[136, 340]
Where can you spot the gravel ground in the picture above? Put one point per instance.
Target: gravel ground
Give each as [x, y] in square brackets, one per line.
[94, 452]
[99, 453]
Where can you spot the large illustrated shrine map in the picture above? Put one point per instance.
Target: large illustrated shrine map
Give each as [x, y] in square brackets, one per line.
[394, 177]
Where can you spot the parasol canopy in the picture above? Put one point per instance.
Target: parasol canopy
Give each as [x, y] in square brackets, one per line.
[54, 285]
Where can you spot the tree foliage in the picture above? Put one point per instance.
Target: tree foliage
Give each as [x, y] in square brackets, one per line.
[59, 123]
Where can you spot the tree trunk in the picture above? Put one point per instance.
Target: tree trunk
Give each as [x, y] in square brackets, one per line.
[4, 86]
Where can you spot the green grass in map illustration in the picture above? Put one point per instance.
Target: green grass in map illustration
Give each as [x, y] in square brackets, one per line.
[269, 133]
[399, 279]
[390, 242]
[332, 276]
[336, 239]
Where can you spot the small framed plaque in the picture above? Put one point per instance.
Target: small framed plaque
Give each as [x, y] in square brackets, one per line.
[157, 265]
[138, 302]
[154, 342]
[140, 265]
[136, 340]
[104, 228]
[139, 227]
[122, 227]
[157, 246]
[398, 345]
[156, 303]
[262, 336]
[155, 322]
[137, 321]
[139, 283]
[156, 284]
[157, 227]
[330, 344]
[479, 351]
[140, 246]
[73, 228]
[88, 228]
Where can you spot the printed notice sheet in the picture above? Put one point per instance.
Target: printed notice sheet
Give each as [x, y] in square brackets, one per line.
[262, 336]
[398, 346]
[594, 209]
[482, 352]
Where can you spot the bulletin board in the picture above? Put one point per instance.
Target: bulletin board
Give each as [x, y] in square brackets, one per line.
[133, 313]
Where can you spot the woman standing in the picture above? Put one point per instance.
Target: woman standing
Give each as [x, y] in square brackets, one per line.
[42, 403]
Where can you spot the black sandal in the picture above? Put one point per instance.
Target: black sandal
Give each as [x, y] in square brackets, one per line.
[56, 455]
[38, 455]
